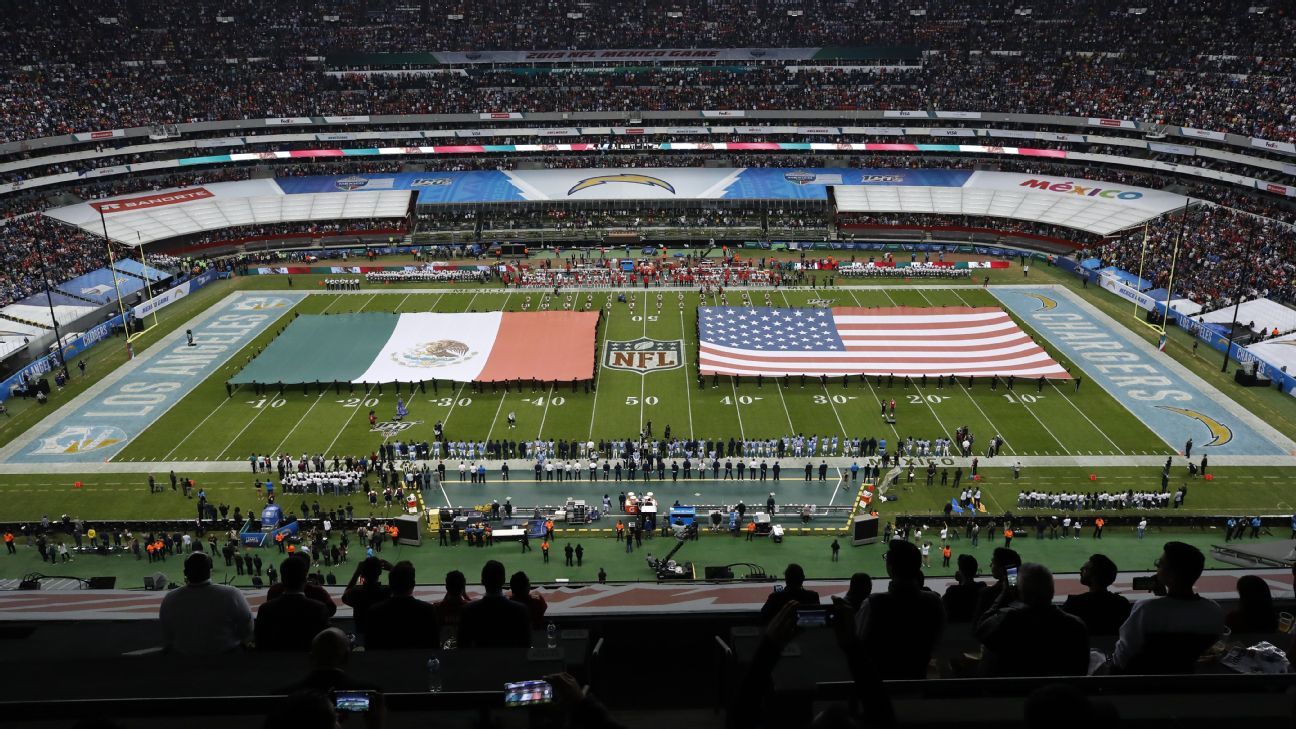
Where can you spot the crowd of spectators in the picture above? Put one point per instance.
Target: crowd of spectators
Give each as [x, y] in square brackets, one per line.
[68, 252]
[1234, 77]
[1222, 254]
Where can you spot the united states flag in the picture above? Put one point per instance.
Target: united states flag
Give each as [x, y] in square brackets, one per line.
[852, 340]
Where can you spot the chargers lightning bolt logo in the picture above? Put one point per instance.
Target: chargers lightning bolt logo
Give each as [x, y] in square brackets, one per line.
[1220, 433]
[1045, 302]
[589, 182]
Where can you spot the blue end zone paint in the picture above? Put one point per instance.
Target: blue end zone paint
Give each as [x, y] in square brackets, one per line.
[101, 428]
[1172, 407]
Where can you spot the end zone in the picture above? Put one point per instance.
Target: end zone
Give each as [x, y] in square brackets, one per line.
[98, 424]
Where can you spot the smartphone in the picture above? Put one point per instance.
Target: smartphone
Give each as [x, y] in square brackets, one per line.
[1012, 576]
[528, 693]
[352, 702]
[812, 618]
[778, 588]
[1146, 584]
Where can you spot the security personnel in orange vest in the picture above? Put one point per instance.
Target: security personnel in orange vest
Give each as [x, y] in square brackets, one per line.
[751, 530]
[549, 532]
[1008, 535]
[9, 542]
[620, 530]
[1099, 523]
[279, 542]
[544, 549]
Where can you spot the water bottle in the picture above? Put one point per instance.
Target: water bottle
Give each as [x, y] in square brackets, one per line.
[551, 633]
[434, 675]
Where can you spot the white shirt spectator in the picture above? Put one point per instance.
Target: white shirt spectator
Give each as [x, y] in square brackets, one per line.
[203, 619]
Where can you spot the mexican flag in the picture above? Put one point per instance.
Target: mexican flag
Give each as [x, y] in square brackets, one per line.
[372, 348]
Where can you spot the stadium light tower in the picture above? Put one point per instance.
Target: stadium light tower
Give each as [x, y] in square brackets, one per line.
[1237, 299]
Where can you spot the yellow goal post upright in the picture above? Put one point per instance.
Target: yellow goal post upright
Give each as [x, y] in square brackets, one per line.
[131, 336]
[1160, 328]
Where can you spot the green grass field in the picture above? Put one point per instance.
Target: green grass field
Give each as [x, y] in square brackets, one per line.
[207, 425]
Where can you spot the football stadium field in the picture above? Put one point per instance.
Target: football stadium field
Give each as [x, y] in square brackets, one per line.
[208, 424]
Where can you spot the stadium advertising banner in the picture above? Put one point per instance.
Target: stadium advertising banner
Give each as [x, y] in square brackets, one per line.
[96, 136]
[172, 295]
[1155, 201]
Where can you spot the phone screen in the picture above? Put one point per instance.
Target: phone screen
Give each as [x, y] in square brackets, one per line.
[812, 618]
[1012, 576]
[528, 693]
[353, 702]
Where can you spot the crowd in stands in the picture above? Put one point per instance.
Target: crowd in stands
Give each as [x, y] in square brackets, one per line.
[1233, 78]
[1222, 254]
[68, 252]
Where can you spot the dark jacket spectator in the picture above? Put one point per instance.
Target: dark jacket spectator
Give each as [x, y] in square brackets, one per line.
[792, 591]
[960, 599]
[1102, 611]
[902, 625]
[494, 621]
[450, 607]
[403, 621]
[1002, 560]
[520, 589]
[290, 621]
[369, 592]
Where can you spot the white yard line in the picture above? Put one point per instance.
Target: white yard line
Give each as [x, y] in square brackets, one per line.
[939, 422]
[989, 422]
[873, 393]
[453, 404]
[402, 302]
[643, 377]
[742, 432]
[347, 421]
[302, 419]
[167, 457]
[245, 427]
[607, 318]
[545, 414]
[828, 396]
[688, 382]
[498, 408]
[1086, 417]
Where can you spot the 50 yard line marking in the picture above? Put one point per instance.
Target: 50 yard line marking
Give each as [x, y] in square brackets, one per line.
[643, 378]
[607, 318]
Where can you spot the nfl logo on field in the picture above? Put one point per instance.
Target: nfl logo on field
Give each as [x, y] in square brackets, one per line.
[644, 355]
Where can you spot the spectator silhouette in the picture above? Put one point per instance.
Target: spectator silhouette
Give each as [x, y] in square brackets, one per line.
[290, 621]
[960, 599]
[451, 606]
[369, 592]
[904, 623]
[1102, 611]
[1024, 634]
[520, 589]
[793, 591]
[494, 621]
[1255, 611]
[201, 618]
[402, 620]
[1001, 560]
[1167, 634]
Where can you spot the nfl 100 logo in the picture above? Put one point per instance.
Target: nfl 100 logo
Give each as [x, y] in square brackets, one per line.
[644, 355]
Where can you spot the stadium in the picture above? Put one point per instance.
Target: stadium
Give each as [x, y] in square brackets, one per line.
[798, 363]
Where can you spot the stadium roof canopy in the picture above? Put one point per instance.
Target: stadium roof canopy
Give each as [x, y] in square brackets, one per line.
[1095, 207]
[1092, 206]
[144, 218]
